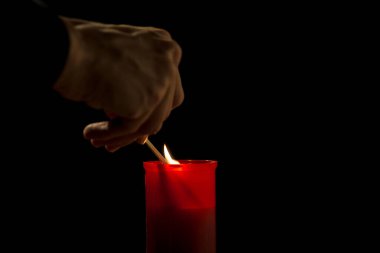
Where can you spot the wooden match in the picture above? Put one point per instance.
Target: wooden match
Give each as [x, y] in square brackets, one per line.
[155, 151]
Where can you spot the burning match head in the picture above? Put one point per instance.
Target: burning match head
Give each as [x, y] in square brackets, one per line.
[167, 159]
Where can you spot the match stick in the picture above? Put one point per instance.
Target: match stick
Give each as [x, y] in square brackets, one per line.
[155, 151]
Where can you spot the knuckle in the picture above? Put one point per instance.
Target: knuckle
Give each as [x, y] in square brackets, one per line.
[162, 33]
[169, 48]
[178, 99]
[174, 52]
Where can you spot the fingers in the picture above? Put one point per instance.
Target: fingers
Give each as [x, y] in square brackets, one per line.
[114, 128]
[110, 138]
[154, 123]
[117, 133]
[120, 132]
[116, 143]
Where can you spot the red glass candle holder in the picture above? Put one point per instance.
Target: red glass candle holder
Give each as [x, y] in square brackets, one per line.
[180, 206]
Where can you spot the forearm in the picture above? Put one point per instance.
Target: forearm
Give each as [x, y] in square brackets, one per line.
[41, 44]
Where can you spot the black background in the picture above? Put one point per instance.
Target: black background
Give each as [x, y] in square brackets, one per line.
[253, 78]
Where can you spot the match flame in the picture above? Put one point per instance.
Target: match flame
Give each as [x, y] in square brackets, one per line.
[168, 157]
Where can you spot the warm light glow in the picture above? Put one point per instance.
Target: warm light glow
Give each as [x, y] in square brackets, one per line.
[168, 157]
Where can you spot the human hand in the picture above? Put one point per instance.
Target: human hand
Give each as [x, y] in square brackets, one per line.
[127, 71]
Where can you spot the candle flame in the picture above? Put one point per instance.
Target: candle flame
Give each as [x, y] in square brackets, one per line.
[168, 157]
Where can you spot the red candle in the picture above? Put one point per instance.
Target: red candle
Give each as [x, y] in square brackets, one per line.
[180, 206]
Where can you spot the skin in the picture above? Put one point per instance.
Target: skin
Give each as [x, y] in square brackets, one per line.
[129, 72]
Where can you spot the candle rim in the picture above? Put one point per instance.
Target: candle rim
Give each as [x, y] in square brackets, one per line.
[186, 161]
[184, 164]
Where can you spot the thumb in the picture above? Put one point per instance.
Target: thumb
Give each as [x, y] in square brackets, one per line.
[141, 140]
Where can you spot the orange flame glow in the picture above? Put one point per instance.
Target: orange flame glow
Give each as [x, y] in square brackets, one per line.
[168, 157]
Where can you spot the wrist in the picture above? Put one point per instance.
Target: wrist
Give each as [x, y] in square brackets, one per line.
[70, 81]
